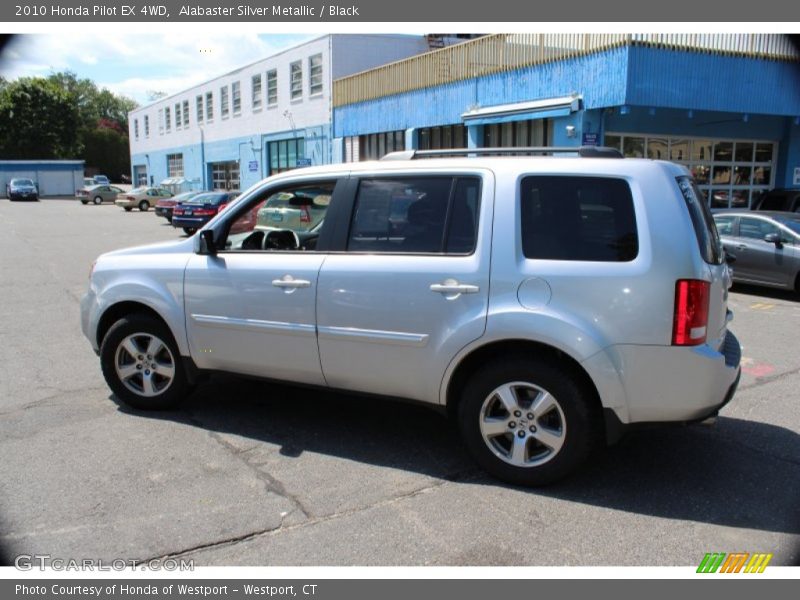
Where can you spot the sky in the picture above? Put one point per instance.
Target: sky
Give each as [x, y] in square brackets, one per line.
[134, 63]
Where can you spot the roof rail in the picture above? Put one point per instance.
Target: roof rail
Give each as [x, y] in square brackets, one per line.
[582, 151]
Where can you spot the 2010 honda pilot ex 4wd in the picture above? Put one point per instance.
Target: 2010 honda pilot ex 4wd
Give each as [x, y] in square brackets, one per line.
[546, 302]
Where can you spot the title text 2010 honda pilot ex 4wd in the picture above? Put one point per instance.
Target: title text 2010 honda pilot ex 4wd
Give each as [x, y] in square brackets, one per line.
[545, 302]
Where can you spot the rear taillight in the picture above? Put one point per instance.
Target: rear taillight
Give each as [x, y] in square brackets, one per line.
[690, 324]
[204, 212]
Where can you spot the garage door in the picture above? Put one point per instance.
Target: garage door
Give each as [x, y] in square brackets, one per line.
[56, 183]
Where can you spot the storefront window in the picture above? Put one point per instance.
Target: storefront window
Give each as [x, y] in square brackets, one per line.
[729, 173]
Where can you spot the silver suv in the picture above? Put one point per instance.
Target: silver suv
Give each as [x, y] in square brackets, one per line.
[544, 302]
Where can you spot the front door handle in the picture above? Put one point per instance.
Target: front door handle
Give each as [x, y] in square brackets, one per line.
[451, 286]
[289, 282]
[741, 247]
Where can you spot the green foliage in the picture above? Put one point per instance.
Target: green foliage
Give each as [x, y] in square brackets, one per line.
[64, 117]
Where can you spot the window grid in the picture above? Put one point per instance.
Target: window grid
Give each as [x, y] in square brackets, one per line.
[136, 129]
[167, 119]
[223, 102]
[315, 75]
[731, 173]
[209, 106]
[198, 108]
[272, 87]
[147, 126]
[296, 80]
[256, 91]
[236, 96]
[178, 120]
[174, 165]
[186, 113]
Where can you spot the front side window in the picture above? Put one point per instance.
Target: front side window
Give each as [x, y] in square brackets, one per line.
[756, 228]
[578, 219]
[287, 219]
[315, 75]
[724, 225]
[296, 80]
[437, 214]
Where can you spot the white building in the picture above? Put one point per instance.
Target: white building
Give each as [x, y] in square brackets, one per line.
[272, 115]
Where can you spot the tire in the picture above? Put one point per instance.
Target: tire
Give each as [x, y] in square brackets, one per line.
[155, 381]
[565, 430]
[84, 202]
[144, 205]
[128, 208]
[98, 200]
[189, 230]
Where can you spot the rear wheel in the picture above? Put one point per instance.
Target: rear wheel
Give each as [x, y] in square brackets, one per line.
[189, 230]
[128, 208]
[141, 363]
[84, 202]
[98, 200]
[144, 205]
[529, 421]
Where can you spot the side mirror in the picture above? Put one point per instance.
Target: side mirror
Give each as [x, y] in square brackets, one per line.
[774, 238]
[207, 244]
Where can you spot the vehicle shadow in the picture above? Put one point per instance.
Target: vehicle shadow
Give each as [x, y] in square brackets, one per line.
[738, 474]
[766, 292]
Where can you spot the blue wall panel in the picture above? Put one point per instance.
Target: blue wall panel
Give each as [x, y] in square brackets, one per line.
[680, 79]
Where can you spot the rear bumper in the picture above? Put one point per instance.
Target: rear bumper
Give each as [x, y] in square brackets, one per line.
[162, 211]
[677, 384]
[192, 222]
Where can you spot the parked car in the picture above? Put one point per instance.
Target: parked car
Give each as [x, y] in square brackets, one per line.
[779, 199]
[98, 194]
[191, 215]
[22, 189]
[87, 181]
[101, 180]
[142, 198]
[535, 300]
[165, 205]
[764, 247]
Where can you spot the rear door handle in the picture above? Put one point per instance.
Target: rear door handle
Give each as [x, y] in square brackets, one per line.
[451, 286]
[289, 282]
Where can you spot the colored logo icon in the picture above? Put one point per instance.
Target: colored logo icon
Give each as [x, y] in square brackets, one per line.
[736, 562]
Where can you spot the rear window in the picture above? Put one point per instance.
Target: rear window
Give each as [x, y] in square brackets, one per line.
[704, 228]
[578, 219]
[213, 199]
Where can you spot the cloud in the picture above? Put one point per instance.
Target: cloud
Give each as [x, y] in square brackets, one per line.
[133, 62]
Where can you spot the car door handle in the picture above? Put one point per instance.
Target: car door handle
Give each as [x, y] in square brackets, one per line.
[451, 286]
[289, 282]
[741, 247]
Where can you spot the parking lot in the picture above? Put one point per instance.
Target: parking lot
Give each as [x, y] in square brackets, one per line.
[248, 473]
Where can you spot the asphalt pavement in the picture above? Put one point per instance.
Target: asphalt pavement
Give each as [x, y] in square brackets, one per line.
[248, 473]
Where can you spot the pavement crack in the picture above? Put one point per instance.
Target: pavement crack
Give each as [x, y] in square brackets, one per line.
[769, 379]
[270, 483]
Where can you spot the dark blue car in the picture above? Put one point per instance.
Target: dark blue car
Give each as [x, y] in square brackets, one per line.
[193, 214]
[21, 189]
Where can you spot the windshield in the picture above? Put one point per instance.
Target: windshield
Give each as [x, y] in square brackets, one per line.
[27, 182]
[793, 224]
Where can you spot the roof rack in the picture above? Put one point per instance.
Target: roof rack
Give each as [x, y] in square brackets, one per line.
[582, 151]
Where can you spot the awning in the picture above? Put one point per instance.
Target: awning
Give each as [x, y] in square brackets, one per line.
[174, 181]
[522, 111]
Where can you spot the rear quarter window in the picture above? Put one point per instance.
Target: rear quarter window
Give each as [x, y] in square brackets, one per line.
[578, 219]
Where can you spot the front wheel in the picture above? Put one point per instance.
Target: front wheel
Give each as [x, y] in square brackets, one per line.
[128, 208]
[144, 205]
[529, 421]
[189, 230]
[84, 202]
[141, 364]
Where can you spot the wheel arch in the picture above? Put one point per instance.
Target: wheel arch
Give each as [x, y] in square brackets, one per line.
[117, 311]
[495, 350]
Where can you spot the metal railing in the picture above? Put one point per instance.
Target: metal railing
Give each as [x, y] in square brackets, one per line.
[505, 52]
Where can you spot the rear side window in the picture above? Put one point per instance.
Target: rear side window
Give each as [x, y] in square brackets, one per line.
[416, 215]
[578, 219]
[704, 228]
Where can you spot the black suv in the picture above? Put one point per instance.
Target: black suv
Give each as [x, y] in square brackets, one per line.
[779, 199]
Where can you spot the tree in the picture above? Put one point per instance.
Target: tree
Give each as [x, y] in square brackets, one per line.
[38, 119]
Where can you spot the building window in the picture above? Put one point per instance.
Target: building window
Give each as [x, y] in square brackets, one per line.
[315, 75]
[296, 80]
[272, 87]
[209, 106]
[729, 173]
[225, 175]
[174, 165]
[198, 101]
[186, 113]
[136, 129]
[167, 120]
[375, 145]
[256, 91]
[236, 94]
[147, 126]
[177, 116]
[518, 134]
[223, 102]
[283, 155]
[442, 138]
[160, 121]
